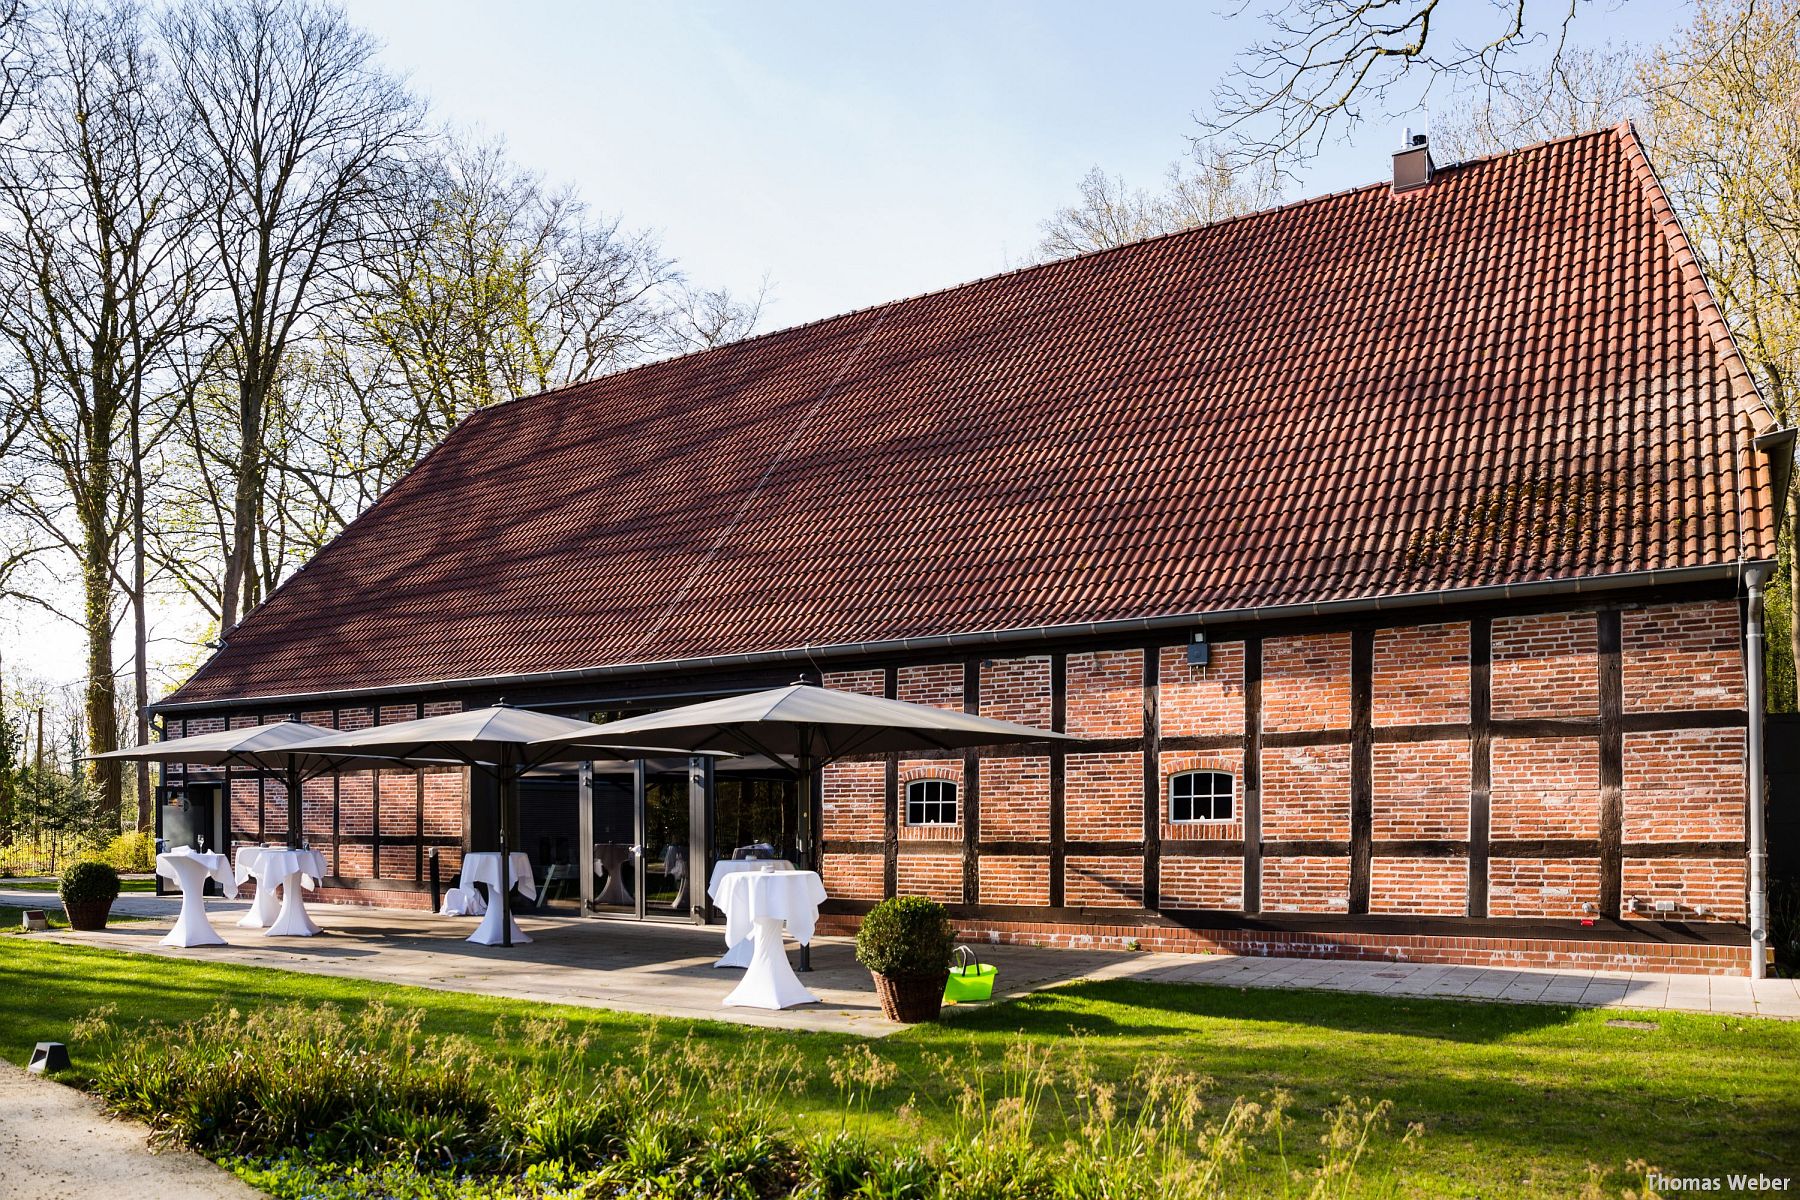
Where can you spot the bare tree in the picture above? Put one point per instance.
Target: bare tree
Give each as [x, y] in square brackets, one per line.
[1325, 61]
[96, 285]
[1207, 188]
[698, 318]
[303, 133]
[1592, 89]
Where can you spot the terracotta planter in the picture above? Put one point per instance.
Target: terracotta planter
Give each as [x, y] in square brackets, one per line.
[911, 999]
[87, 914]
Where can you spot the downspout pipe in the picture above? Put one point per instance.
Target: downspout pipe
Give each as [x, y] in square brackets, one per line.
[1756, 833]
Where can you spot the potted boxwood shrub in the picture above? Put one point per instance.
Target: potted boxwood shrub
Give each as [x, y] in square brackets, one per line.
[88, 890]
[906, 943]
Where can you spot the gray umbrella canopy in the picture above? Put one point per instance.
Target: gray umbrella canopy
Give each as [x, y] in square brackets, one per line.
[260, 747]
[818, 724]
[502, 738]
[277, 747]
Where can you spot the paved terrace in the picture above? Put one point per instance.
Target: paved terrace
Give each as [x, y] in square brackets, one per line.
[666, 969]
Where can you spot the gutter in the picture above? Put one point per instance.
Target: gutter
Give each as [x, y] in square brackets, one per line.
[1407, 602]
[1756, 834]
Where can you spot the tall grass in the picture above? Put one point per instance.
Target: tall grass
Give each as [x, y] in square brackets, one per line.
[314, 1102]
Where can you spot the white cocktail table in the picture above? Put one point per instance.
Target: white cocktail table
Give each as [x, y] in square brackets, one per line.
[189, 870]
[483, 866]
[757, 904]
[739, 955]
[610, 858]
[292, 870]
[265, 904]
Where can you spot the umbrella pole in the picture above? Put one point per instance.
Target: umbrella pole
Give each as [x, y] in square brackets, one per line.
[293, 806]
[506, 786]
[808, 848]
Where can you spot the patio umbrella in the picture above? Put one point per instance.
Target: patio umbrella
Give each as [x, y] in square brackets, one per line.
[813, 726]
[254, 747]
[503, 741]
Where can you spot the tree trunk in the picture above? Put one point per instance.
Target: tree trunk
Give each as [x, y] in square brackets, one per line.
[246, 502]
[140, 624]
[100, 702]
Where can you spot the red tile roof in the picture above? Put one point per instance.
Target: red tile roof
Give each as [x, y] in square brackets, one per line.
[1513, 374]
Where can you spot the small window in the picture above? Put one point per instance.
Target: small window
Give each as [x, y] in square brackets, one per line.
[1201, 796]
[931, 802]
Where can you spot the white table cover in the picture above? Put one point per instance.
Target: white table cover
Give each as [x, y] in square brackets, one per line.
[739, 955]
[265, 904]
[484, 867]
[293, 870]
[463, 902]
[609, 860]
[190, 869]
[757, 904]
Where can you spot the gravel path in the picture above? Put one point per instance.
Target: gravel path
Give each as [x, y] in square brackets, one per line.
[58, 1144]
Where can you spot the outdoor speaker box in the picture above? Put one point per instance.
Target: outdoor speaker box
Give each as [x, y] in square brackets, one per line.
[35, 920]
[49, 1057]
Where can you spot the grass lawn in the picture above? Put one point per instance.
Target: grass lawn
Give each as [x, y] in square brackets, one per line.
[130, 883]
[1514, 1099]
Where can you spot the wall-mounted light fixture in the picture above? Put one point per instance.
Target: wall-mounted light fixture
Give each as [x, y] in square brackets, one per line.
[1199, 649]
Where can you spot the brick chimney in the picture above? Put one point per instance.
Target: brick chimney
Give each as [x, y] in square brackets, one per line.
[1412, 165]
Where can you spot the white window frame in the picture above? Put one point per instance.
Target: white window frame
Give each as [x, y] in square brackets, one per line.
[1230, 794]
[955, 802]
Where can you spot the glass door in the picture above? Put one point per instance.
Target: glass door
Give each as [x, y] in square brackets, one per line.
[665, 874]
[641, 845]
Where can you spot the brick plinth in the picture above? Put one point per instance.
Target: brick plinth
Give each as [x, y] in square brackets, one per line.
[1683, 958]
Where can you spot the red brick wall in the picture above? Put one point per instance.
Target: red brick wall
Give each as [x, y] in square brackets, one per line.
[1684, 785]
[1545, 788]
[1717, 885]
[1014, 879]
[1421, 675]
[316, 797]
[868, 683]
[1210, 883]
[1309, 884]
[1103, 797]
[1306, 793]
[851, 798]
[1106, 694]
[1092, 881]
[1543, 887]
[356, 805]
[853, 876]
[1201, 701]
[1676, 656]
[400, 805]
[1546, 665]
[1017, 689]
[939, 685]
[1173, 762]
[444, 794]
[1306, 683]
[1419, 886]
[1420, 790]
[1015, 799]
[935, 876]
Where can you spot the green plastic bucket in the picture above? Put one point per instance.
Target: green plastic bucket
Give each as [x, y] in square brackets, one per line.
[970, 979]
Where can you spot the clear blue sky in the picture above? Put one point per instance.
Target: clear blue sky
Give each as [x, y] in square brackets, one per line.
[856, 152]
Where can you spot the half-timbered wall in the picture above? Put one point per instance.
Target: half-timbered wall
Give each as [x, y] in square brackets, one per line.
[1567, 766]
